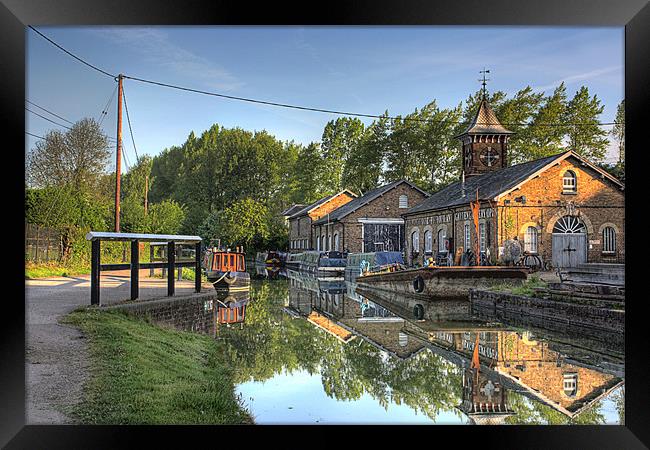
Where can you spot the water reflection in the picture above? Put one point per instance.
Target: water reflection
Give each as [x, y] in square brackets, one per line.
[311, 346]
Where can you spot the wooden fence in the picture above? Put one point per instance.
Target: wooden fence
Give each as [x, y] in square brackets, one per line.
[42, 244]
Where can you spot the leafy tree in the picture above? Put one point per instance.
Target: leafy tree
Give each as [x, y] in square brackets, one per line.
[362, 169]
[76, 157]
[619, 130]
[244, 222]
[514, 113]
[307, 172]
[547, 130]
[585, 135]
[165, 217]
[133, 218]
[341, 137]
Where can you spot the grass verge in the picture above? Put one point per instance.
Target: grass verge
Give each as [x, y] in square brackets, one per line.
[525, 288]
[145, 374]
[44, 270]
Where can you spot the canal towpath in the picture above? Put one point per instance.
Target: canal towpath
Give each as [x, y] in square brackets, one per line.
[56, 354]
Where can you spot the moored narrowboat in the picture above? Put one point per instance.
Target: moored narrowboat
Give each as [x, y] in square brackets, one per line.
[226, 269]
[441, 282]
[324, 264]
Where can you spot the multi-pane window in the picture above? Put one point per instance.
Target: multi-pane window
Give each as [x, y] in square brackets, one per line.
[415, 241]
[609, 240]
[570, 384]
[468, 242]
[569, 183]
[442, 236]
[530, 240]
[428, 241]
[482, 236]
[403, 201]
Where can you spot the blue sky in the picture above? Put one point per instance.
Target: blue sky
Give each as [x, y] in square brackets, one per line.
[360, 69]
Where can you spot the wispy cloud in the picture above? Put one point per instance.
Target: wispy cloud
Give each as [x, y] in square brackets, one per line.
[157, 49]
[579, 77]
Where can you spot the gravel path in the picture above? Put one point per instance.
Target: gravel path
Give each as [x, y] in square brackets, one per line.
[57, 360]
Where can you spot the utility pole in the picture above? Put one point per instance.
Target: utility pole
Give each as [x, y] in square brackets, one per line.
[118, 159]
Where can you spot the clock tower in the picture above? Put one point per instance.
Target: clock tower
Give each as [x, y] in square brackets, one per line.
[484, 142]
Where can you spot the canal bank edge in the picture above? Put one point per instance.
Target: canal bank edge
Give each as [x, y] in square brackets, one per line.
[186, 379]
[500, 305]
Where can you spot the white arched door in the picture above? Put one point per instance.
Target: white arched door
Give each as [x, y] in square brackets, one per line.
[569, 242]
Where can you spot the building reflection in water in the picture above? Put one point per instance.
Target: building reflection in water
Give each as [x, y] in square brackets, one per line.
[495, 359]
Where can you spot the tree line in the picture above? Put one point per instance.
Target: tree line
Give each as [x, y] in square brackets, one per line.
[232, 184]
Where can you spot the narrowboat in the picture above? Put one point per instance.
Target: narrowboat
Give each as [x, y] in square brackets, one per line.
[271, 258]
[226, 269]
[440, 282]
[324, 264]
[374, 262]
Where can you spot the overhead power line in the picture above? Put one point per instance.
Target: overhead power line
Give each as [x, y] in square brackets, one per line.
[50, 112]
[35, 135]
[71, 54]
[48, 119]
[308, 108]
[128, 119]
[104, 111]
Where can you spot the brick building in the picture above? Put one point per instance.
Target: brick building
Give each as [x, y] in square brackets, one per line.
[300, 219]
[368, 223]
[562, 208]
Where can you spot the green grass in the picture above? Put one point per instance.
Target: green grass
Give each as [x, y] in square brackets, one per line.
[145, 374]
[525, 288]
[188, 274]
[45, 270]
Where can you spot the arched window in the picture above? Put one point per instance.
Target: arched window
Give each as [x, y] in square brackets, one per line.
[428, 241]
[530, 240]
[442, 235]
[570, 384]
[336, 242]
[569, 225]
[403, 201]
[569, 182]
[322, 243]
[609, 240]
[415, 241]
[317, 243]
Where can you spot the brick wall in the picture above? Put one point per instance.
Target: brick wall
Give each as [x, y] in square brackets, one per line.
[598, 202]
[386, 206]
[188, 313]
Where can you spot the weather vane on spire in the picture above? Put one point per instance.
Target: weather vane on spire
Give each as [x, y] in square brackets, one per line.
[484, 80]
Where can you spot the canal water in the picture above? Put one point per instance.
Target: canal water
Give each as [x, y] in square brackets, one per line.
[319, 351]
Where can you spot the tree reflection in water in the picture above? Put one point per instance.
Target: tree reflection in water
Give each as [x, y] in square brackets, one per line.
[272, 342]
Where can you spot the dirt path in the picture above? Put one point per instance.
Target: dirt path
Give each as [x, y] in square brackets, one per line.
[56, 359]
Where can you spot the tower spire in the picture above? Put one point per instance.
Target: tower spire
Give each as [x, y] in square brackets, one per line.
[484, 82]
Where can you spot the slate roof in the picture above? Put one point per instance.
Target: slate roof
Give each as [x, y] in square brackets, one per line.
[292, 210]
[306, 209]
[489, 186]
[358, 202]
[485, 122]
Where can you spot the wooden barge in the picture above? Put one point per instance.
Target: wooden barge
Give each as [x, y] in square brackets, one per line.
[441, 282]
[226, 270]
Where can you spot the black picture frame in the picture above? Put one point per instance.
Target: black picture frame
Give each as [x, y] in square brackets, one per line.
[15, 15]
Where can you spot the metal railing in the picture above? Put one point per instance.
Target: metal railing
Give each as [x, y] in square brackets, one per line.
[96, 238]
